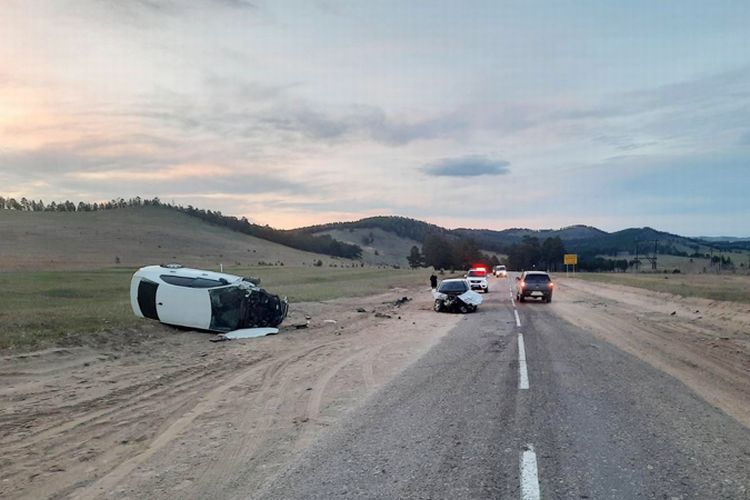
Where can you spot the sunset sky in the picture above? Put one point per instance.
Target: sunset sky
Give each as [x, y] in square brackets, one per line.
[468, 113]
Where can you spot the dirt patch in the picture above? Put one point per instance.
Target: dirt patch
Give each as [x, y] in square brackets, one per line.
[703, 343]
[176, 414]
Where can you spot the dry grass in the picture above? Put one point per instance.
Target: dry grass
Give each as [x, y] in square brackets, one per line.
[733, 288]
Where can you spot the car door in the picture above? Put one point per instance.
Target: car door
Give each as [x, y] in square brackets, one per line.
[183, 306]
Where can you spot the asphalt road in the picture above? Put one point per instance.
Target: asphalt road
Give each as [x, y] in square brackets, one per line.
[563, 416]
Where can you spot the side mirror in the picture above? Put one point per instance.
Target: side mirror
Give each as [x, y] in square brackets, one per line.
[518, 278]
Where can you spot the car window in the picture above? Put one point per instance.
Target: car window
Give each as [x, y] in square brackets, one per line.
[536, 278]
[207, 283]
[177, 280]
[452, 286]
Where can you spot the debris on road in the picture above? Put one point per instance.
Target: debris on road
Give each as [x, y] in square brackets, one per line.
[245, 333]
[329, 321]
[401, 301]
[361, 310]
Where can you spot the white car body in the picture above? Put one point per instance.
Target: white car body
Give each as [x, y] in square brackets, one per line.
[477, 278]
[500, 272]
[200, 299]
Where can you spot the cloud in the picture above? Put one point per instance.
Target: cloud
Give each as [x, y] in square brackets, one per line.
[467, 166]
[236, 4]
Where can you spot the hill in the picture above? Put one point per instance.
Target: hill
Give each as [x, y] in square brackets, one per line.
[379, 247]
[578, 238]
[134, 235]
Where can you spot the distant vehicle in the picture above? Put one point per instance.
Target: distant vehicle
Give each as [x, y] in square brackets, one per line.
[535, 284]
[477, 277]
[204, 300]
[455, 295]
[500, 272]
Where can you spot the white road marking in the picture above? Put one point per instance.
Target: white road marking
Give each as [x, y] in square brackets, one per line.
[529, 475]
[518, 319]
[523, 373]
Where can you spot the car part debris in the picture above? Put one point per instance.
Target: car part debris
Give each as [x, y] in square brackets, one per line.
[329, 321]
[245, 333]
[204, 300]
[401, 301]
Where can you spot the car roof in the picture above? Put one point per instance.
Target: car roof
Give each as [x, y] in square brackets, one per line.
[543, 273]
[453, 279]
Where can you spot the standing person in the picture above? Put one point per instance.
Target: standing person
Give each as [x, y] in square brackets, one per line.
[433, 281]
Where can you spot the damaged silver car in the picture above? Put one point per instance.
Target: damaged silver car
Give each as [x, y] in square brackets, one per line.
[456, 295]
[204, 300]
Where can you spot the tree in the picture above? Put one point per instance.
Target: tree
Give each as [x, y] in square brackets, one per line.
[437, 252]
[552, 253]
[415, 258]
[526, 255]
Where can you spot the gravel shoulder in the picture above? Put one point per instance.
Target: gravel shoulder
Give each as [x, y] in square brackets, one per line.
[177, 415]
[703, 343]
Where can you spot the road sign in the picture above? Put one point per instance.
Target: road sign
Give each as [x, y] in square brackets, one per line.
[570, 259]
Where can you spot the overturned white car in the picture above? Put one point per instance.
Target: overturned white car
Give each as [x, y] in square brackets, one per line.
[204, 300]
[456, 295]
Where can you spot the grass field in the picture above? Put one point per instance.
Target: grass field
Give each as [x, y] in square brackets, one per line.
[733, 288]
[38, 309]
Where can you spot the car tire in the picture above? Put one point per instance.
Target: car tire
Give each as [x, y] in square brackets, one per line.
[521, 298]
[549, 299]
[438, 307]
[463, 309]
[487, 290]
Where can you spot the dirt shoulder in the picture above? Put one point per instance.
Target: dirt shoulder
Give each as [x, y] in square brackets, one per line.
[178, 415]
[703, 343]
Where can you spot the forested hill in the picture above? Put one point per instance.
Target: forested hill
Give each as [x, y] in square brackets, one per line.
[296, 239]
[579, 238]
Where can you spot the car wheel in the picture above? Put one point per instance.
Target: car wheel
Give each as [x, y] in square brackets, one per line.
[438, 305]
[549, 299]
[463, 309]
[521, 298]
[487, 290]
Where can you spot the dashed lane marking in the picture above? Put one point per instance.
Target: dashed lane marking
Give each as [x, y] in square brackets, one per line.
[529, 475]
[523, 373]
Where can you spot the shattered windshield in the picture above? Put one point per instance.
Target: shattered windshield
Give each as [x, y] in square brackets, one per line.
[452, 286]
[226, 308]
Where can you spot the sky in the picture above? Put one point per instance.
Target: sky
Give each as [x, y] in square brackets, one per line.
[484, 114]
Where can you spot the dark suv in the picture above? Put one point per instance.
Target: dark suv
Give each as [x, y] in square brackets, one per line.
[535, 284]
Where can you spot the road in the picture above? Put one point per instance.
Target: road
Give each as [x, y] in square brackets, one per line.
[516, 403]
